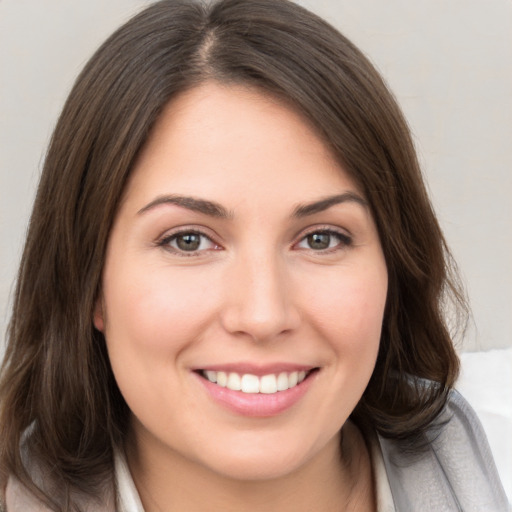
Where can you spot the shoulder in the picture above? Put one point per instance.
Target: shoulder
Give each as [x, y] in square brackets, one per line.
[455, 471]
[19, 499]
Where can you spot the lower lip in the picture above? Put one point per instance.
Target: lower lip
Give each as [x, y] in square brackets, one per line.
[257, 404]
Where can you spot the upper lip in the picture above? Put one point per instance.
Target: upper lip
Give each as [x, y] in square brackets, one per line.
[255, 369]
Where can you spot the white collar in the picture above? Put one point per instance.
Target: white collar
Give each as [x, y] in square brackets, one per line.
[128, 499]
[380, 478]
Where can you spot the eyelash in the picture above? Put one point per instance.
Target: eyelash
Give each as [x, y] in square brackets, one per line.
[166, 241]
[344, 241]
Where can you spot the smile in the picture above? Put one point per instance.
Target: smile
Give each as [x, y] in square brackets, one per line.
[253, 391]
[249, 383]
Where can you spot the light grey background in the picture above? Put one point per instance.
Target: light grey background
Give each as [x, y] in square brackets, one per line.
[449, 63]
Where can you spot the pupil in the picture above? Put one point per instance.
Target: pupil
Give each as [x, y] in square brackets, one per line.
[319, 240]
[188, 242]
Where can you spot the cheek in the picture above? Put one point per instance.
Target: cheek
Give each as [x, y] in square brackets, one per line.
[156, 308]
[351, 307]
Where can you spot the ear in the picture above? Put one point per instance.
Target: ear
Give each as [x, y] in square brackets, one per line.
[98, 318]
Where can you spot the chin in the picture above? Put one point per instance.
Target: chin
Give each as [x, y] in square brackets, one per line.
[260, 460]
[257, 467]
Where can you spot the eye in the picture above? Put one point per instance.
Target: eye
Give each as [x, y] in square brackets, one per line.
[188, 242]
[324, 240]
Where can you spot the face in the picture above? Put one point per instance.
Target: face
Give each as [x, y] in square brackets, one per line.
[243, 290]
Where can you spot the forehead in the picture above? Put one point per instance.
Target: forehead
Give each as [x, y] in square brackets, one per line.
[217, 138]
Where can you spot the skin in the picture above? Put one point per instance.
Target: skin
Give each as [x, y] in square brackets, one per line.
[255, 290]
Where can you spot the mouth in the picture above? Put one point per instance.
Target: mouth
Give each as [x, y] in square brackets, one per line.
[269, 384]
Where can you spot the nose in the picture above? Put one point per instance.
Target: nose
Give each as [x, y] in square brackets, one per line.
[260, 304]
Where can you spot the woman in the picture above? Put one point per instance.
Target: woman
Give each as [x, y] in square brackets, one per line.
[233, 287]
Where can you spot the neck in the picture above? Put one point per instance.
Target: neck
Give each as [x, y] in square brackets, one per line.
[338, 478]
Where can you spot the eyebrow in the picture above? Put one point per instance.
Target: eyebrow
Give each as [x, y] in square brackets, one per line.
[214, 209]
[304, 210]
[203, 206]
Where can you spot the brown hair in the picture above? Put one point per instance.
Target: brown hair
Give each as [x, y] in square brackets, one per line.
[58, 395]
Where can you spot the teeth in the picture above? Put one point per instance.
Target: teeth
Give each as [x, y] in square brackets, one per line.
[211, 376]
[268, 384]
[282, 382]
[234, 382]
[248, 383]
[222, 379]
